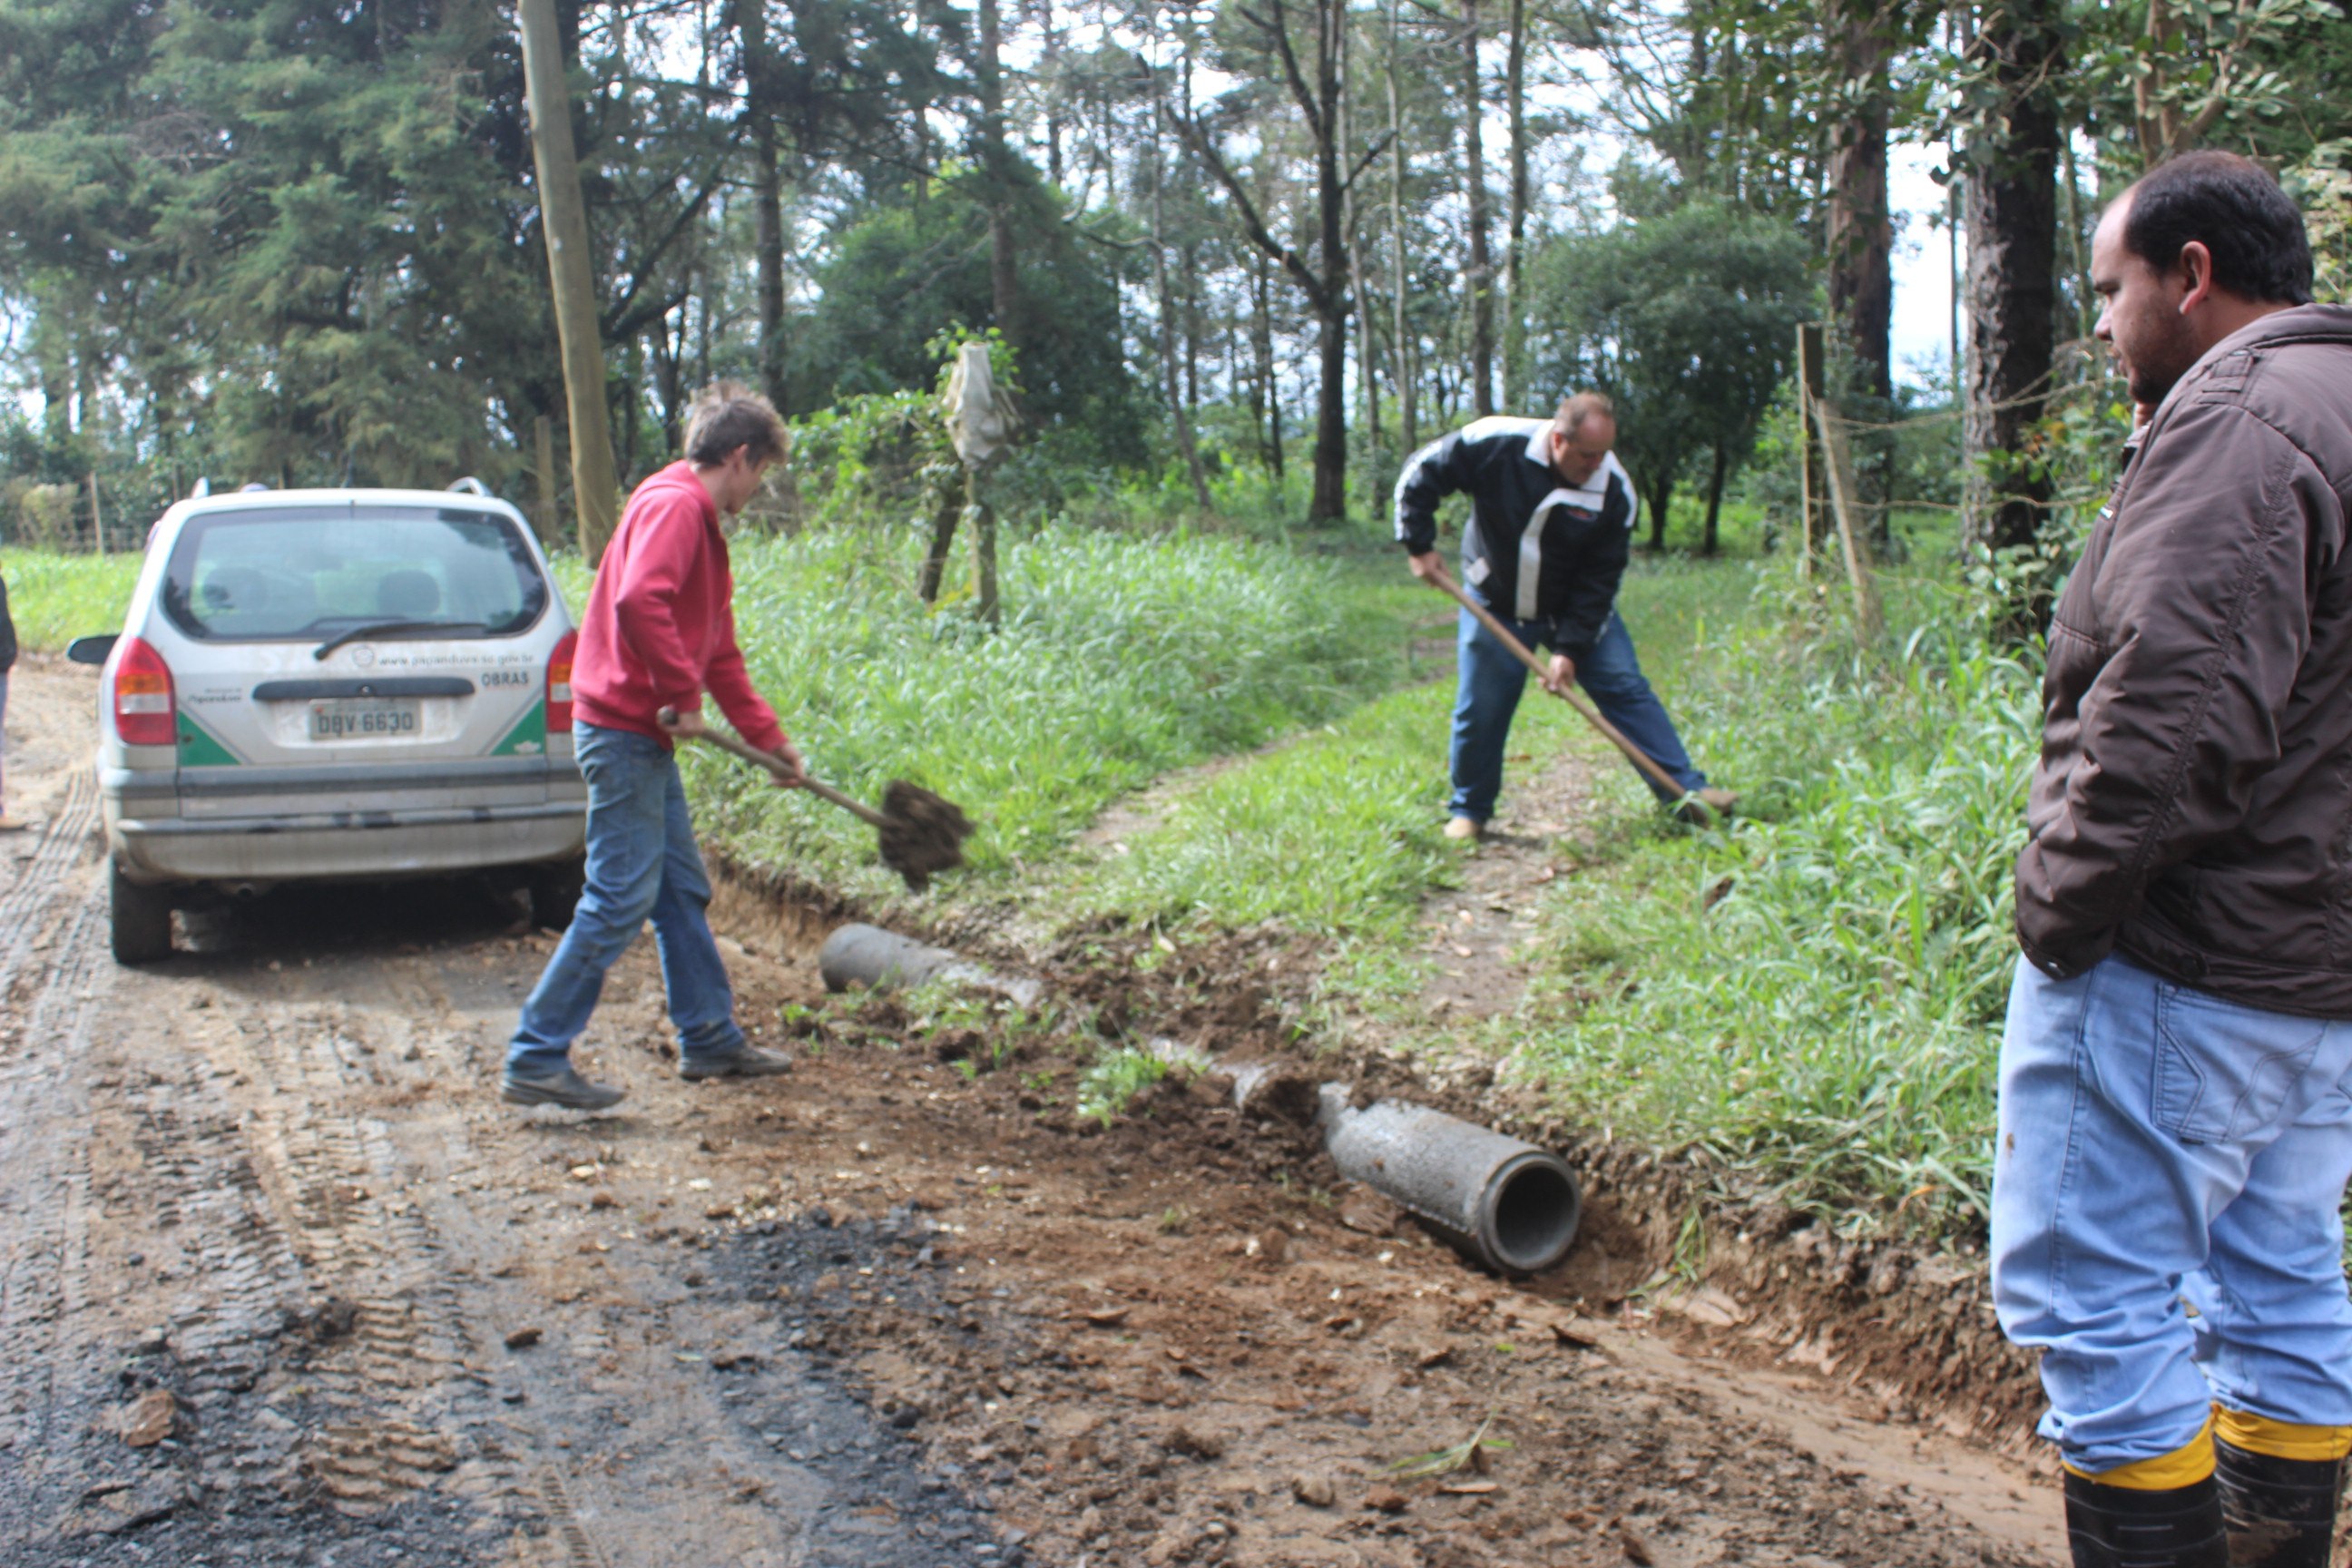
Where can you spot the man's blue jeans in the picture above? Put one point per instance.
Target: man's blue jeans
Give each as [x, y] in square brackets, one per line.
[642, 863]
[2162, 1152]
[1492, 680]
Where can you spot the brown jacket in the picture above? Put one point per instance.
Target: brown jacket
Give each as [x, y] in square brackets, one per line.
[2193, 804]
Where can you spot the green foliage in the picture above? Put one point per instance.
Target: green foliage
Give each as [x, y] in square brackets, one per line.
[1686, 320]
[1117, 1077]
[55, 598]
[907, 270]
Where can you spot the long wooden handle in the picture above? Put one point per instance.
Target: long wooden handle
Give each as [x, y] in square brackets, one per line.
[751, 753]
[1493, 623]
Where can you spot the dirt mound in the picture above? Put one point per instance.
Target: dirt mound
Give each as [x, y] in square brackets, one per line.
[923, 832]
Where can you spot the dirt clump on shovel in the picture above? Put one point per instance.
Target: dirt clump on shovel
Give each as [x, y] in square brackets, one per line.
[923, 832]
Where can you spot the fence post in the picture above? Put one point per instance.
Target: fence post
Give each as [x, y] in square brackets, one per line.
[96, 518]
[1809, 392]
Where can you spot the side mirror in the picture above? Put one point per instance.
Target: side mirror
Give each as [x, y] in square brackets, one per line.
[92, 649]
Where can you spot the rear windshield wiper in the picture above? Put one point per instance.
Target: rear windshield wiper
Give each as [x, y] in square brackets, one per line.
[392, 628]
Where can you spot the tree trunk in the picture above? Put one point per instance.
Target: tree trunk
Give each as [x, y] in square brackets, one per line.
[1659, 501]
[564, 218]
[1179, 410]
[1325, 275]
[1261, 347]
[1004, 263]
[1860, 241]
[1330, 498]
[2012, 274]
[767, 193]
[1051, 54]
[1707, 538]
[1408, 413]
[1514, 320]
[1474, 189]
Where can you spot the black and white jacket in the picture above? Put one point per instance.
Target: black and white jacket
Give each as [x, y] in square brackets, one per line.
[1536, 549]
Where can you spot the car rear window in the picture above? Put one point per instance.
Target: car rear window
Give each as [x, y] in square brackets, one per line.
[282, 574]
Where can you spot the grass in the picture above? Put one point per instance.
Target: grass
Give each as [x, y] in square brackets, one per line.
[1120, 658]
[1816, 995]
[55, 598]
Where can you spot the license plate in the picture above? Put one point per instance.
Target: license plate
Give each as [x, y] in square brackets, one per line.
[369, 721]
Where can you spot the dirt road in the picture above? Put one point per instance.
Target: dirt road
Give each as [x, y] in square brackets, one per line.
[282, 1282]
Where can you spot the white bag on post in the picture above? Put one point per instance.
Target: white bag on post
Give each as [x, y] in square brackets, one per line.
[980, 418]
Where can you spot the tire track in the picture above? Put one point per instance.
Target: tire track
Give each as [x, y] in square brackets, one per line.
[395, 1369]
[46, 879]
[44, 1183]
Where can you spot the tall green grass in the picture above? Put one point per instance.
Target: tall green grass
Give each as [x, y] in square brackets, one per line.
[55, 598]
[1816, 995]
[1119, 657]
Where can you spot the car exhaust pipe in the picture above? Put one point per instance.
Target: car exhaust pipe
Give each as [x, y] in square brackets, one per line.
[1501, 1203]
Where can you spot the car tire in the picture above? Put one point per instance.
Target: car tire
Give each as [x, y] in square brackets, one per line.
[139, 919]
[555, 893]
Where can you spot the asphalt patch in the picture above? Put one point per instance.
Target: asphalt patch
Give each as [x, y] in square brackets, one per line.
[886, 1507]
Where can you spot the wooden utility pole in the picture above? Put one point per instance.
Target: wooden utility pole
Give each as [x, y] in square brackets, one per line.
[542, 439]
[564, 218]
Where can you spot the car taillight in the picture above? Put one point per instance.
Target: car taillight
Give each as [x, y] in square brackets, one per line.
[559, 685]
[145, 713]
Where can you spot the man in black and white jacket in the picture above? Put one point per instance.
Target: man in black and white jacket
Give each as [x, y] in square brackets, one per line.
[1552, 525]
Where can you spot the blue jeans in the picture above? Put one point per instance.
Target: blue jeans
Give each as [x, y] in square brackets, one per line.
[642, 863]
[1492, 680]
[2163, 1151]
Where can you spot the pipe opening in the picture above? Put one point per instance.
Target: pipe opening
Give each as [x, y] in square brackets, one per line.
[1533, 1216]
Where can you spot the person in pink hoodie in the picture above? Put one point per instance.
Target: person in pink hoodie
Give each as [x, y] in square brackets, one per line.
[659, 632]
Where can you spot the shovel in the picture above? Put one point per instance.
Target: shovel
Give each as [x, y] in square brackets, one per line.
[1633, 754]
[920, 832]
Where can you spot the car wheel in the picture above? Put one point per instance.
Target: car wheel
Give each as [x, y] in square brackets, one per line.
[139, 919]
[555, 893]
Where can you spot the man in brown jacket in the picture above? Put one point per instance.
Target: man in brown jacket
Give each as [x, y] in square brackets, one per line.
[2176, 1080]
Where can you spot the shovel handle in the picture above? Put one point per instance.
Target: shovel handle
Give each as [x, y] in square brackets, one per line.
[774, 764]
[1493, 623]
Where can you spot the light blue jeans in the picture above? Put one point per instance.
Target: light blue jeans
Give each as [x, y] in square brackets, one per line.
[2166, 1209]
[1491, 680]
[642, 863]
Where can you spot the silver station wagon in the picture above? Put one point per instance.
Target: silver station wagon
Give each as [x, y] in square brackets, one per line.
[335, 685]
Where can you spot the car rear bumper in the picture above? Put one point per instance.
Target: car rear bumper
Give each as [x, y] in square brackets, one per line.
[357, 844]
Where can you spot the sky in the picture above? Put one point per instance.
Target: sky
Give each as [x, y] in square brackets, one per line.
[1923, 269]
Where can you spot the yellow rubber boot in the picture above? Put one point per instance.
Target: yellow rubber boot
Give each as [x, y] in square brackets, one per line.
[2280, 1483]
[2164, 1512]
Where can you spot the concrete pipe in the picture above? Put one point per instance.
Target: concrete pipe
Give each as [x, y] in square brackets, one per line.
[868, 955]
[1507, 1205]
[1501, 1203]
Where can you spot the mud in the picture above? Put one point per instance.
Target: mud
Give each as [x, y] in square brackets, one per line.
[281, 1281]
[922, 833]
